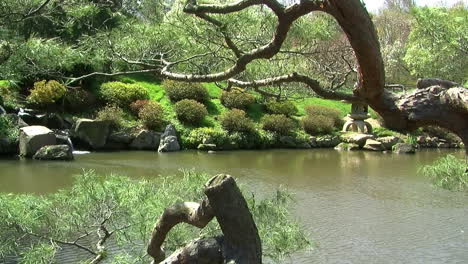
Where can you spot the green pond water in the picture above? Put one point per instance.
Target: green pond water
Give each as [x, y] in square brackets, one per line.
[359, 207]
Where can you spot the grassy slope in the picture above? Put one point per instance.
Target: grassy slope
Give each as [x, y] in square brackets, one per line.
[214, 106]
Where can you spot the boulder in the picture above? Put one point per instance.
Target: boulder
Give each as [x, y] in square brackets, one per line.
[347, 147]
[8, 147]
[324, 141]
[32, 138]
[146, 140]
[443, 145]
[124, 137]
[91, 132]
[374, 145]
[55, 152]
[169, 140]
[357, 138]
[32, 117]
[404, 148]
[388, 142]
[207, 147]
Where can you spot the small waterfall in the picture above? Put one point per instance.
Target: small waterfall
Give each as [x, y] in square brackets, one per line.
[70, 144]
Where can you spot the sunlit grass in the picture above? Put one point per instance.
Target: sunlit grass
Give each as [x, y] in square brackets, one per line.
[448, 172]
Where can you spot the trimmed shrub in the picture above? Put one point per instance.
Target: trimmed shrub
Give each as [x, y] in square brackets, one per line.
[318, 124]
[136, 106]
[113, 114]
[279, 124]
[331, 113]
[152, 115]
[236, 98]
[286, 108]
[44, 93]
[235, 120]
[183, 90]
[79, 100]
[209, 135]
[122, 94]
[190, 111]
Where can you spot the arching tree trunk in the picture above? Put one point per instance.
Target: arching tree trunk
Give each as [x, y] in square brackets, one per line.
[239, 243]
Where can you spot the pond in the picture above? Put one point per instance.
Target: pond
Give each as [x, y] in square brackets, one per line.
[359, 207]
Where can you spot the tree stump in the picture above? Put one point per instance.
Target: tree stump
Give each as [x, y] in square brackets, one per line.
[240, 242]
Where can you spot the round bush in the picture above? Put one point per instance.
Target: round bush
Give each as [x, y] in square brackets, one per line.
[78, 100]
[122, 94]
[235, 120]
[136, 106]
[183, 90]
[286, 108]
[44, 93]
[113, 114]
[190, 111]
[279, 124]
[318, 124]
[331, 113]
[237, 98]
[151, 115]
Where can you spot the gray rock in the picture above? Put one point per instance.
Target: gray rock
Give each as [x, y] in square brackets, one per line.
[8, 147]
[169, 140]
[169, 144]
[207, 147]
[443, 145]
[2, 110]
[325, 141]
[287, 142]
[146, 140]
[374, 145]
[169, 131]
[32, 138]
[357, 138]
[91, 132]
[388, 142]
[32, 118]
[125, 137]
[404, 148]
[55, 152]
[347, 147]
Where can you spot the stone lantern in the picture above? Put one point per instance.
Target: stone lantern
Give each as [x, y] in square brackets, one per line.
[357, 123]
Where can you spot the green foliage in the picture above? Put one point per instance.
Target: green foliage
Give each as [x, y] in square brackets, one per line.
[237, 98]
[45, 93]
[8, 129]
[205, 134]
[122, 94]
[448, 172]
[280, 124]
[384, 132]
[151, 115]
[235, 120]
[113, 114]
[286, 108]
[182, 90]
[190, 111]
[438, 43]
[411, 139]
[128, 208]
[328, 112]
[317, 124]
[8, 96]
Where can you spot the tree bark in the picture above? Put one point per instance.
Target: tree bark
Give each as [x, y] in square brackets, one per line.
[240, 242]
